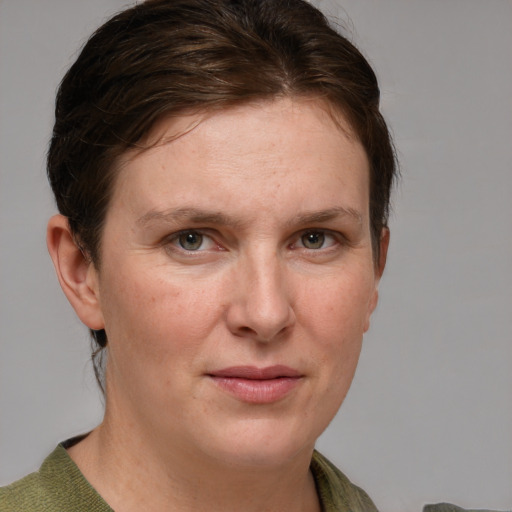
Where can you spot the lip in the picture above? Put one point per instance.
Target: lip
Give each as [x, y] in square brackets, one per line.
[257, 385]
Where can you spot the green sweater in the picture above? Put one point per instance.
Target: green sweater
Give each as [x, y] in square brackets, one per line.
[59, 486]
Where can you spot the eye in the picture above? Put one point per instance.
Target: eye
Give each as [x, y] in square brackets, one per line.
[193, 241]
[316, 239]
[313, 240]
[190, 240]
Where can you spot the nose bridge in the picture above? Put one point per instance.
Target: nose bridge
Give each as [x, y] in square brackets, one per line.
[262, 308]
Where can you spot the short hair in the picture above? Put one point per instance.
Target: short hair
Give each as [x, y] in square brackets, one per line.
[165, 58]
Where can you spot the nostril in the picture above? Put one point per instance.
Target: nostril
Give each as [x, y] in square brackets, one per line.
[261, 334]
[264, 315]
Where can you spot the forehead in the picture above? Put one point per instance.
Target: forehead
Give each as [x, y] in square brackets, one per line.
[248, 150]
[170, 128]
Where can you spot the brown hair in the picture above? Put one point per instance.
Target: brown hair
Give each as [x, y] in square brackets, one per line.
[164, 57]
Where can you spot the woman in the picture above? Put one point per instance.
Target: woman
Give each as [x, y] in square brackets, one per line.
[223, 174]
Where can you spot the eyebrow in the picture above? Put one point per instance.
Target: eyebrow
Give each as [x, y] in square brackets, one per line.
[194, 215]
[199, 216]
[327, 215]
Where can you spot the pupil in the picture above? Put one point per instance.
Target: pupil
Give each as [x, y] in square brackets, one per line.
[191, 241]
[313, 240]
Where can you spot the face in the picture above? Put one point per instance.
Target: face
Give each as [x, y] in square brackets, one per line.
[237, 280]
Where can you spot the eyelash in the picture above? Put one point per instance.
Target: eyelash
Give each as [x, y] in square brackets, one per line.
[336, 238]
[325, 234]
[174, 240]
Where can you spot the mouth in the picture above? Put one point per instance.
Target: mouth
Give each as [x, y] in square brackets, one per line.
[257, 385]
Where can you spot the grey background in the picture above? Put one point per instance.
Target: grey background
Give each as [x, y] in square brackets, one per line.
[429, 416]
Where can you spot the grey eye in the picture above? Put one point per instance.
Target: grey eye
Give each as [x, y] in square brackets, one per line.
[313, 239]
[190, 240]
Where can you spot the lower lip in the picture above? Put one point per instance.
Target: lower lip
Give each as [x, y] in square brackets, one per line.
[257, 391]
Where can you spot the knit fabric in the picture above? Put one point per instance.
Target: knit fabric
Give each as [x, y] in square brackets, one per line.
[336, 492]
[60, 486]
[447, 507]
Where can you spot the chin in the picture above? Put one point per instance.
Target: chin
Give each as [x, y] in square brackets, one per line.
[260, 445]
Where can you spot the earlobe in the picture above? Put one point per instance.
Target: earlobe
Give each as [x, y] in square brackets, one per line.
[77, 275]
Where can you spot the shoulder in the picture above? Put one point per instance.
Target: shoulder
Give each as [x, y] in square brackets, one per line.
[447, 507]
[28, 494]
[58, 485]
[335, 490]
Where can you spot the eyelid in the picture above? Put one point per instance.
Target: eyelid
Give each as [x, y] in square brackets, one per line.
[172, 239]
[338, 238]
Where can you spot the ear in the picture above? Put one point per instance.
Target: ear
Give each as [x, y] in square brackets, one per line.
[379, 270]
[77, 275]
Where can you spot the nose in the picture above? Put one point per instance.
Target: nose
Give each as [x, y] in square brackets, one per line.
[261, 308]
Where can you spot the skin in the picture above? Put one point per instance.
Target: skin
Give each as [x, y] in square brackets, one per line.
[276, 194]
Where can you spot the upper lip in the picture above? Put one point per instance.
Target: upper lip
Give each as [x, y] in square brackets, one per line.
[255, 373]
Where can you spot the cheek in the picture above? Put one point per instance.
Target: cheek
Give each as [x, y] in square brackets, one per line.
[338, 308]
[156, 319]
[335, 318]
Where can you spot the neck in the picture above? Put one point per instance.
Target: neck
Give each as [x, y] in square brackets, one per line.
[133, 471]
